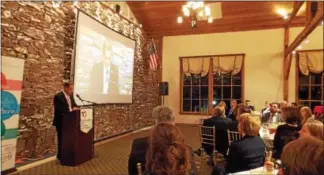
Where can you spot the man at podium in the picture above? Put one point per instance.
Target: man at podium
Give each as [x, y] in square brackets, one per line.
[63, 103]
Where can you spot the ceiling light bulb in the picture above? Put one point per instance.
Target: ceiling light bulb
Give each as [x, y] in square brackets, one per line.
[294, 52]
[140, 25]
[306, 41]
[201, 14]
[179, 19]
[210, 19]
[322, 23]
[285, 17]
[299, 47]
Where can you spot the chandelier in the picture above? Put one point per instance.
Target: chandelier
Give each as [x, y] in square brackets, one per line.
[196, 11]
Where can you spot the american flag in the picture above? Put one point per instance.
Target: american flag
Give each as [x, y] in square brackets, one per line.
[153, 56]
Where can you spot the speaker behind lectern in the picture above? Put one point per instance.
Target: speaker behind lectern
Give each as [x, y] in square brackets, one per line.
[164, 88]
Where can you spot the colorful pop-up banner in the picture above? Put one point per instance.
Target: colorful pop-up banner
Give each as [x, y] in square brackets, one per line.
[12, 70]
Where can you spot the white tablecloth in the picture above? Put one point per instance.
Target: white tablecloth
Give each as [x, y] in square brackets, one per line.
[260, 171]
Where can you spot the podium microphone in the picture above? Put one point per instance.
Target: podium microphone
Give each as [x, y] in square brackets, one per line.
[79, 97]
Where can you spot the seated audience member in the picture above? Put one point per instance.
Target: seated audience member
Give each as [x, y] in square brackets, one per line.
[167, 153]
[304, 156]
[273, 116]
[306, 114]
[221, 125]
[249, 152]
[283, 104]
[240, 109]
[266, 108]
[222, 105]
[287, 132]
[140, 145]
[230, 113]
[294, 104]
[249, 105]
[312, 128]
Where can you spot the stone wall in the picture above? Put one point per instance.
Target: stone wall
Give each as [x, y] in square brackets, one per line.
[44, 36]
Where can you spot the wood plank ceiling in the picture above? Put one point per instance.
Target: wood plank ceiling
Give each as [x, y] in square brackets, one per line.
[160, 18]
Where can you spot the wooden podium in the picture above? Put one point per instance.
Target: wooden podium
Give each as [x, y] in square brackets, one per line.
[77, 138]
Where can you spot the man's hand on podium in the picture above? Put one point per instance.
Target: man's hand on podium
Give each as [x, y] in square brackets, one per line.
[75, 109]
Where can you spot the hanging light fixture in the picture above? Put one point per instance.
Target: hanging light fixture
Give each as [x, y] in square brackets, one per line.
[196, 11]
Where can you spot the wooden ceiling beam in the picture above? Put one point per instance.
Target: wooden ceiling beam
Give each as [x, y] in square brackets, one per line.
[303, 35]
[297, 6]
[307, 30]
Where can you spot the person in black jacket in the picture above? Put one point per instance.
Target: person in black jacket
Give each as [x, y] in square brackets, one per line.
[161, 114]
[287, 132]
[230, 112]
[221, 125]
[63, 103]
[249, 152]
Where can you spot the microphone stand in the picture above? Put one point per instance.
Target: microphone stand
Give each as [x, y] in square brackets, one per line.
[95, 155]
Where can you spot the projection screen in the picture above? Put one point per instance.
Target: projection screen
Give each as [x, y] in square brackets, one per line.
[103, 63]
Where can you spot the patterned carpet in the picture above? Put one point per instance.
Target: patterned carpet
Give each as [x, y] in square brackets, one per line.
[113, 157]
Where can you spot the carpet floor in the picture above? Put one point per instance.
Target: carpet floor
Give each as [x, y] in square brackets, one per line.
[112, 157]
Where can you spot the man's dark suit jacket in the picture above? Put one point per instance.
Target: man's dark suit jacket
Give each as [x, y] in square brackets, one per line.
[230, 114]
[221, 125]
[138, 155]
[61, 106]
[266, 118]
[245, 154]
[97, 77]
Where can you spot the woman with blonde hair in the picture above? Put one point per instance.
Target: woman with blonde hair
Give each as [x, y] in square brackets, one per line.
[167, 153]
[222, 105]
[304, 156]
[306, 113]
[248, 152]
[312, 128]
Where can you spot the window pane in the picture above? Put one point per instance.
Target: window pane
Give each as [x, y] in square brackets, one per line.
[316, 93]
[217, 92]
[195, 105]
[313, 104]
[227, 92]
[303, 92]
[186, 80]
[226, 79]
[316, 78]
[217, 79]
[303, 103]
[186, 105]
[186, 92]
[236, 79]
[204, 80]
[204, 92]
[195, 79]
[236, 90]
[303, 79]
[204, 106]
[195, 92]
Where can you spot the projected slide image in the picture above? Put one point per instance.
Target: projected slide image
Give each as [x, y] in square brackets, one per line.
[103, 64]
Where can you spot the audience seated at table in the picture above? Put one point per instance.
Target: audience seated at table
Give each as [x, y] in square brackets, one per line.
[266, 108]
[230, 112]
[273, 116]
[306, 114]
[312, 128]
[248, 152]
[221, 125]
[249, 105]
[304, 156]
[287, 132]
[240, 109]
[167, 153]
[222, 105]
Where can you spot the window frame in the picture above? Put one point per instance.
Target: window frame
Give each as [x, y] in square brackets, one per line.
[210, 82]
[309, 85]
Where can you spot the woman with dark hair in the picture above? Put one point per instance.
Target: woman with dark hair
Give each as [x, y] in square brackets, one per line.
[287, 132]
[167, 153]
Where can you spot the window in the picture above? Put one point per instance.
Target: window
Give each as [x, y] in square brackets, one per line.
[205, 81]
[310, 83]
